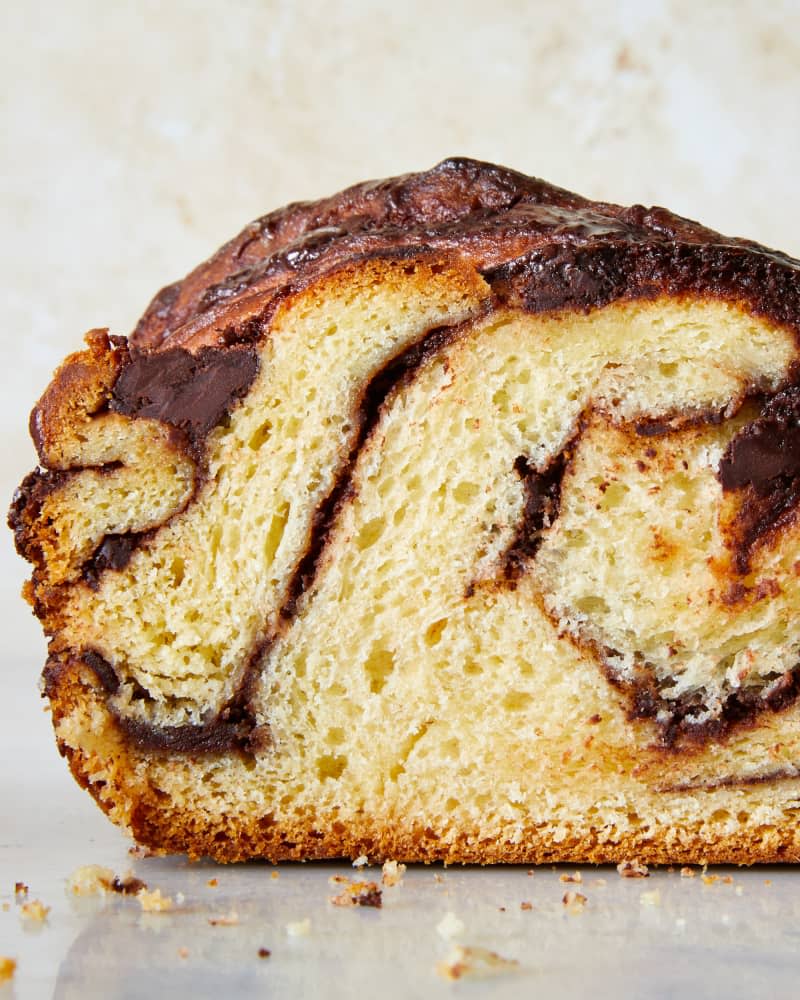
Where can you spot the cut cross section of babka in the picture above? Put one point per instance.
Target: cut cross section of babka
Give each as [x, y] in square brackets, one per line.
[453, 517]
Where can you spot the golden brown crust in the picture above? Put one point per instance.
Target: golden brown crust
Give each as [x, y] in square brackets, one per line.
[108, 765]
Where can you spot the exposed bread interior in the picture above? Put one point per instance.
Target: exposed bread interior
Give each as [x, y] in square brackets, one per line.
[450, 576]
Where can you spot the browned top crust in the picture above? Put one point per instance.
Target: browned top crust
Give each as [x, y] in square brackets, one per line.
[540, 247]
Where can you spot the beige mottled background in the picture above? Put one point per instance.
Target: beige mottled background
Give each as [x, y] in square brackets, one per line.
[140, 135]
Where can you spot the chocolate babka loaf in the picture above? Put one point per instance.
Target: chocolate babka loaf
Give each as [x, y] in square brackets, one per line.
[452, 517]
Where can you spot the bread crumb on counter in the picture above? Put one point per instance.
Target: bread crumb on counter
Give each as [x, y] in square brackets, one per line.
[473, 961]
[359, 894]
[8, 966]
[450, 926]
[92, 880]
[299, 928]
[574, 902]
[633, 869]
[34, 912]
[393, 872]
[153, 902]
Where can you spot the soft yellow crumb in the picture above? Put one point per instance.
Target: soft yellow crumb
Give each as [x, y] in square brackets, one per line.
[299, 928]
[8, 966]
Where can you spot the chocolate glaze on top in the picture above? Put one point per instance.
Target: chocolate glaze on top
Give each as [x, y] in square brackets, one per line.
[539, 246]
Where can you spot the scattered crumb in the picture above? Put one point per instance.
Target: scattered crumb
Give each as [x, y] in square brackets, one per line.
[525, 905]
[531, 871]
[709, 879]
[600, 881]
[767, 881]
[739, 890]
[359, 894]
[90, 880]
[727, 880]
[35, 911]
[361, 861]
[140, 851]
[501, 909]
[339, 880]
[299, 928]
[8, 966]
[574, 901]
[652, 898]
[6, 907]
[450, 926]
[212, 883]
[393, 873]
[275, 875]
[671, 869]
[20, 889]
[633, 869]
[575, 877]
[264, 952]
[128, 885]
[153, 902]
[471, 961]
[227, 920]
[438, 878]
[688, 873]
[183, 952]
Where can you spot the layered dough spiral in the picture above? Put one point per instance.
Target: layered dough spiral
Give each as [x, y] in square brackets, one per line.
[453, 517]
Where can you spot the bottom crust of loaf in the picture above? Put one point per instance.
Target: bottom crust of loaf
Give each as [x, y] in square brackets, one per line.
[744, 825]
